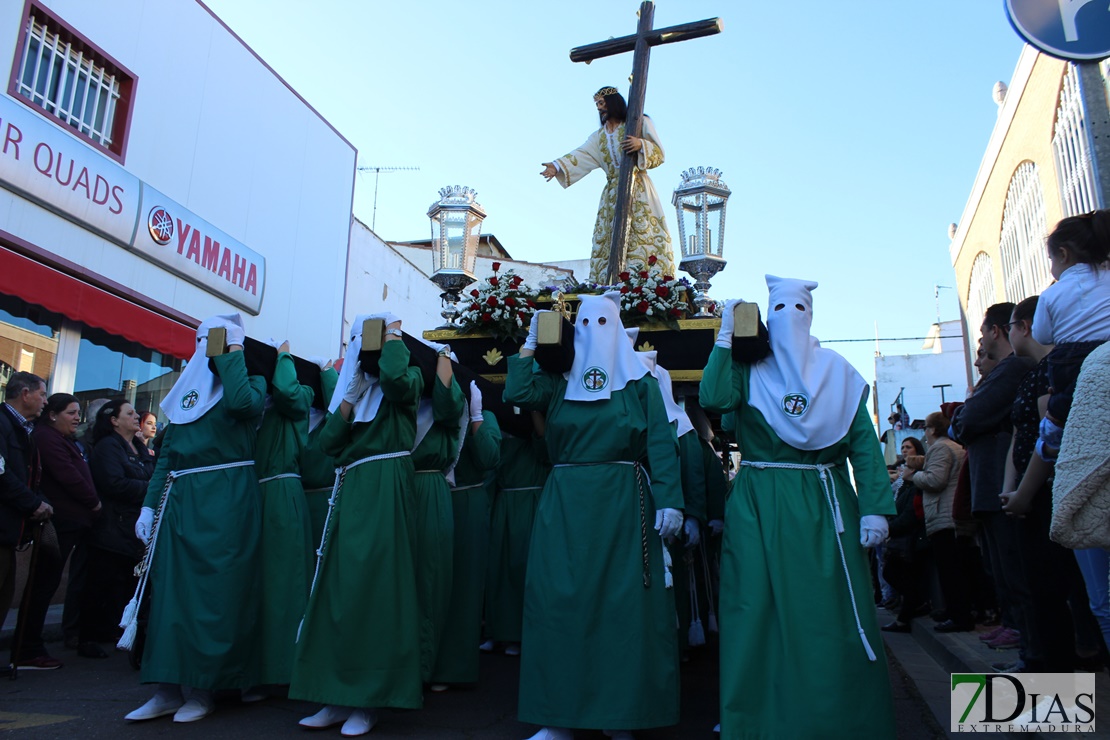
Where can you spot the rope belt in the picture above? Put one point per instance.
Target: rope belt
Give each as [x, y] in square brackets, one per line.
[333, 501]
[279, 477]
[419, 472]
[471, 487]
[828, 487]
[130, 619]
[643, 513]
[525, 488]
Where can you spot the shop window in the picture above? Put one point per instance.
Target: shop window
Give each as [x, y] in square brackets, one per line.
[110, 367]
[29, 337]
[62, 74]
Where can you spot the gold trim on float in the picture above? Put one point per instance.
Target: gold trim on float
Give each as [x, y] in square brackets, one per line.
[496, 379]
[685, 376]
[433, 335]
[685, 324]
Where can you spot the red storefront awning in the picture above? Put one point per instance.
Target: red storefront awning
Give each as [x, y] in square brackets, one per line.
[37, 283]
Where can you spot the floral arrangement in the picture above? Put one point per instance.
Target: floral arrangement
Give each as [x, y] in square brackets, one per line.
[650, 297]
[501, 305]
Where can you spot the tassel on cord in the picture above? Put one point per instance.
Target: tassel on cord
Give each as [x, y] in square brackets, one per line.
[127, 641]
[697, 632]
[712, 618]
[668, 578]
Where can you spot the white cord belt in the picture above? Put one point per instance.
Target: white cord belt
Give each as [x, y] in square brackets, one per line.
[828, 487]
[525, 488]
[418, 472]
[130, 619]
[333, 500]
[279, 476]
[467, 488]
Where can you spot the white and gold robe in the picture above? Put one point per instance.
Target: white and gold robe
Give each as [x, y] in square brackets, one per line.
[648, 234]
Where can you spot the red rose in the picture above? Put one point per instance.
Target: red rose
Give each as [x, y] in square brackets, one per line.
[676, 312]
[652, 259]
[644, 274]
[493, 281]
[491, 301]
[662, 291]
[637, 290]
[624, 289]
[668, 278]
[510, 302]
[531, 303]
[626, 276]
[474, 293]
[517, 280]
[643, 307]
[474, 306]
[496, 266]
[486, 317]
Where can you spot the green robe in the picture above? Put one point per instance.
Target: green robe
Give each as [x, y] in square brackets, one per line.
[204, 587]
[792, 662]
[693, 495]
[520, 478]
[431, 519]
[318, 468]
[286, 531]
[457, 661]
[599, 649]
[359, 644]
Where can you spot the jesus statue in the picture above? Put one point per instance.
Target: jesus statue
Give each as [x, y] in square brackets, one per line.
[648, 234]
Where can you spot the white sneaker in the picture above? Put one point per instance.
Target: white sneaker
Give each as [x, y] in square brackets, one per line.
[487, 646]
[360, 722]
[326, 717]
[513, 648]
[193, 710]
[159, 706]
[438, 687]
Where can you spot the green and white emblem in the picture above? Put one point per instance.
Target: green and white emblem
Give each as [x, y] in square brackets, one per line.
[190, 400]
[594, 379]
[795, 404]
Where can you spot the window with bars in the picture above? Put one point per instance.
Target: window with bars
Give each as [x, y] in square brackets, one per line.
[60, 73]
[1071, 145]
[1024, 260]
[980, 296]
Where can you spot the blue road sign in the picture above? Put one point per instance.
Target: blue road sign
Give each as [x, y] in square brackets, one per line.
[1078, 30]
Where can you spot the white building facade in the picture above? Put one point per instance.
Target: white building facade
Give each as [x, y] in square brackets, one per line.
[155, 171]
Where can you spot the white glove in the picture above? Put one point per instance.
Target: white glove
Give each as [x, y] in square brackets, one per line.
[668, 522]
[693, 532]
[873, 530]
[143, 524]
[475, 401]
[724, 336]
[235, 335]
[360, 383]
[533, 338]
[716, 526]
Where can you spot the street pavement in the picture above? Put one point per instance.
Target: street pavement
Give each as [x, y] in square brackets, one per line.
[88, 699]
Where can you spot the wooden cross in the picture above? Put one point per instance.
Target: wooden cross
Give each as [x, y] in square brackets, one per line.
[639, 44]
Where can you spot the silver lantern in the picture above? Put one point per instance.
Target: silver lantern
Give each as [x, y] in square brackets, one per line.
[456, 223]
[700, 201]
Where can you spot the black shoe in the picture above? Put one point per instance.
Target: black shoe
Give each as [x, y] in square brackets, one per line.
[896, 626]
[949, 626]
[91, 650]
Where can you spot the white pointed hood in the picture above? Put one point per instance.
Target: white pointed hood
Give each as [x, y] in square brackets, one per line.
[604, 360]
[367, 407]
[807, 394]
[675, 413]
[198, 389]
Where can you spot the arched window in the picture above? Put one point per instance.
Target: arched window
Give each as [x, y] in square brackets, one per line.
[980, 296]
[1024, 260]
[1072, 148]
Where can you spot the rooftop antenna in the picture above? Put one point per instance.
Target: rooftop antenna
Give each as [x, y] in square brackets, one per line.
[936, 297]
[378, 170]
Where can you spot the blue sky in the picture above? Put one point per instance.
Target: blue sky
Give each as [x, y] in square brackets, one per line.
[850, 133]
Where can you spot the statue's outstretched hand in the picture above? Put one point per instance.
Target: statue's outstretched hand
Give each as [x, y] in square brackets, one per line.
[549, 171]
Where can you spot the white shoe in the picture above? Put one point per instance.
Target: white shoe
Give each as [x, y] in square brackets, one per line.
[438, 687]
[360, 722]
[252, 695]
[159, 706]
[193, 710]
[553, 733]
[487, 646]
[326, 717]
[717, 728]
[513, 648]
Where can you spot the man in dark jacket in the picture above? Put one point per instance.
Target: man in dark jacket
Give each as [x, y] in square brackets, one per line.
[24, 399]
[983, 425]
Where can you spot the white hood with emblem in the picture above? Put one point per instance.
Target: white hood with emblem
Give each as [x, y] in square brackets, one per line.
[604, 360]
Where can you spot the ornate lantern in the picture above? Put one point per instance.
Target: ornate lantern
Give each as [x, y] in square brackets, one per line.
[456, 222]
[700, 201]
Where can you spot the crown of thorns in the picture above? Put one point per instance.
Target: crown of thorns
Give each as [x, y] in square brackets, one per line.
[605, 91]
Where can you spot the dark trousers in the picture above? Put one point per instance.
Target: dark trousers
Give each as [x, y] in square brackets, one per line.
[909, 576]
[7, 580]
[1064, 363]
[75, 587]
[109, 586]
[43, 584]
[1051, 571]
[1000, 534]
[954, 556]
